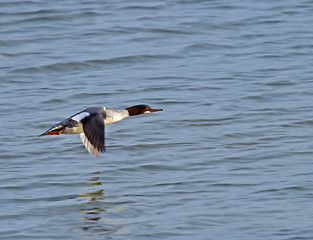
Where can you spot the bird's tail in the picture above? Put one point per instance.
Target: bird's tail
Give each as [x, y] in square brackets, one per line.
[55, 130]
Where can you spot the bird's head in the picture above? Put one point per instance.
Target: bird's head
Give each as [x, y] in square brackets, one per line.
[141, 109]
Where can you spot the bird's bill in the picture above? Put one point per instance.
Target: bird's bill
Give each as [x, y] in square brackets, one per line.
[155, 110]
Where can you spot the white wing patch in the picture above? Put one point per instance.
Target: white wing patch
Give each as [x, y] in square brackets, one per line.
[91, 149]
[80, 116]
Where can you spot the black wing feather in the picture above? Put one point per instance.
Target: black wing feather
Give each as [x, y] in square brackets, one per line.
[93, 127]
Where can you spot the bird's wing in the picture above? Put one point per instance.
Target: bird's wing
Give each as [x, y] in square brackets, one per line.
[93, 133]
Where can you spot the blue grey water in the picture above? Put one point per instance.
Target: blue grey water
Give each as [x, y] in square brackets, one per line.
[231, 156]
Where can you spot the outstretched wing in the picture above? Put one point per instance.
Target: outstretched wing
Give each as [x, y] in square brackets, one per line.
[93, 133]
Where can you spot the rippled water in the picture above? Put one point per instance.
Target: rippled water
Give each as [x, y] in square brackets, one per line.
[230, 157]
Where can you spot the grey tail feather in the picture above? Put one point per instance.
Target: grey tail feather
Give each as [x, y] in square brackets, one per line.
[55, 127]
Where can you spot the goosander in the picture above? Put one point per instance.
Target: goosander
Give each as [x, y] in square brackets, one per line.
[90, 123]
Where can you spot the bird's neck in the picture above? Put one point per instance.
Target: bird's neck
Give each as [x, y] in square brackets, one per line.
[114, 115]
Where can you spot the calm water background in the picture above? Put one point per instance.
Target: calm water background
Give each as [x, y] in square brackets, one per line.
[231, 157]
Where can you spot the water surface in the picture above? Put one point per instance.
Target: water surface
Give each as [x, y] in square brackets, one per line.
[229, 158]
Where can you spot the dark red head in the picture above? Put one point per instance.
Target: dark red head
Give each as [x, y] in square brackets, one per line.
[141, 109]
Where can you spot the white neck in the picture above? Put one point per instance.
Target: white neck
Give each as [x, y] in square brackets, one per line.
[113, 115]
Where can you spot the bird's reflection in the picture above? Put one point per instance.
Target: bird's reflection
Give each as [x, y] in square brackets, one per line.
[101, 213]
[92, 211]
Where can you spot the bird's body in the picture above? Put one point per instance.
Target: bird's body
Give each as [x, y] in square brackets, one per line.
[90, 123]
[110, 116]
